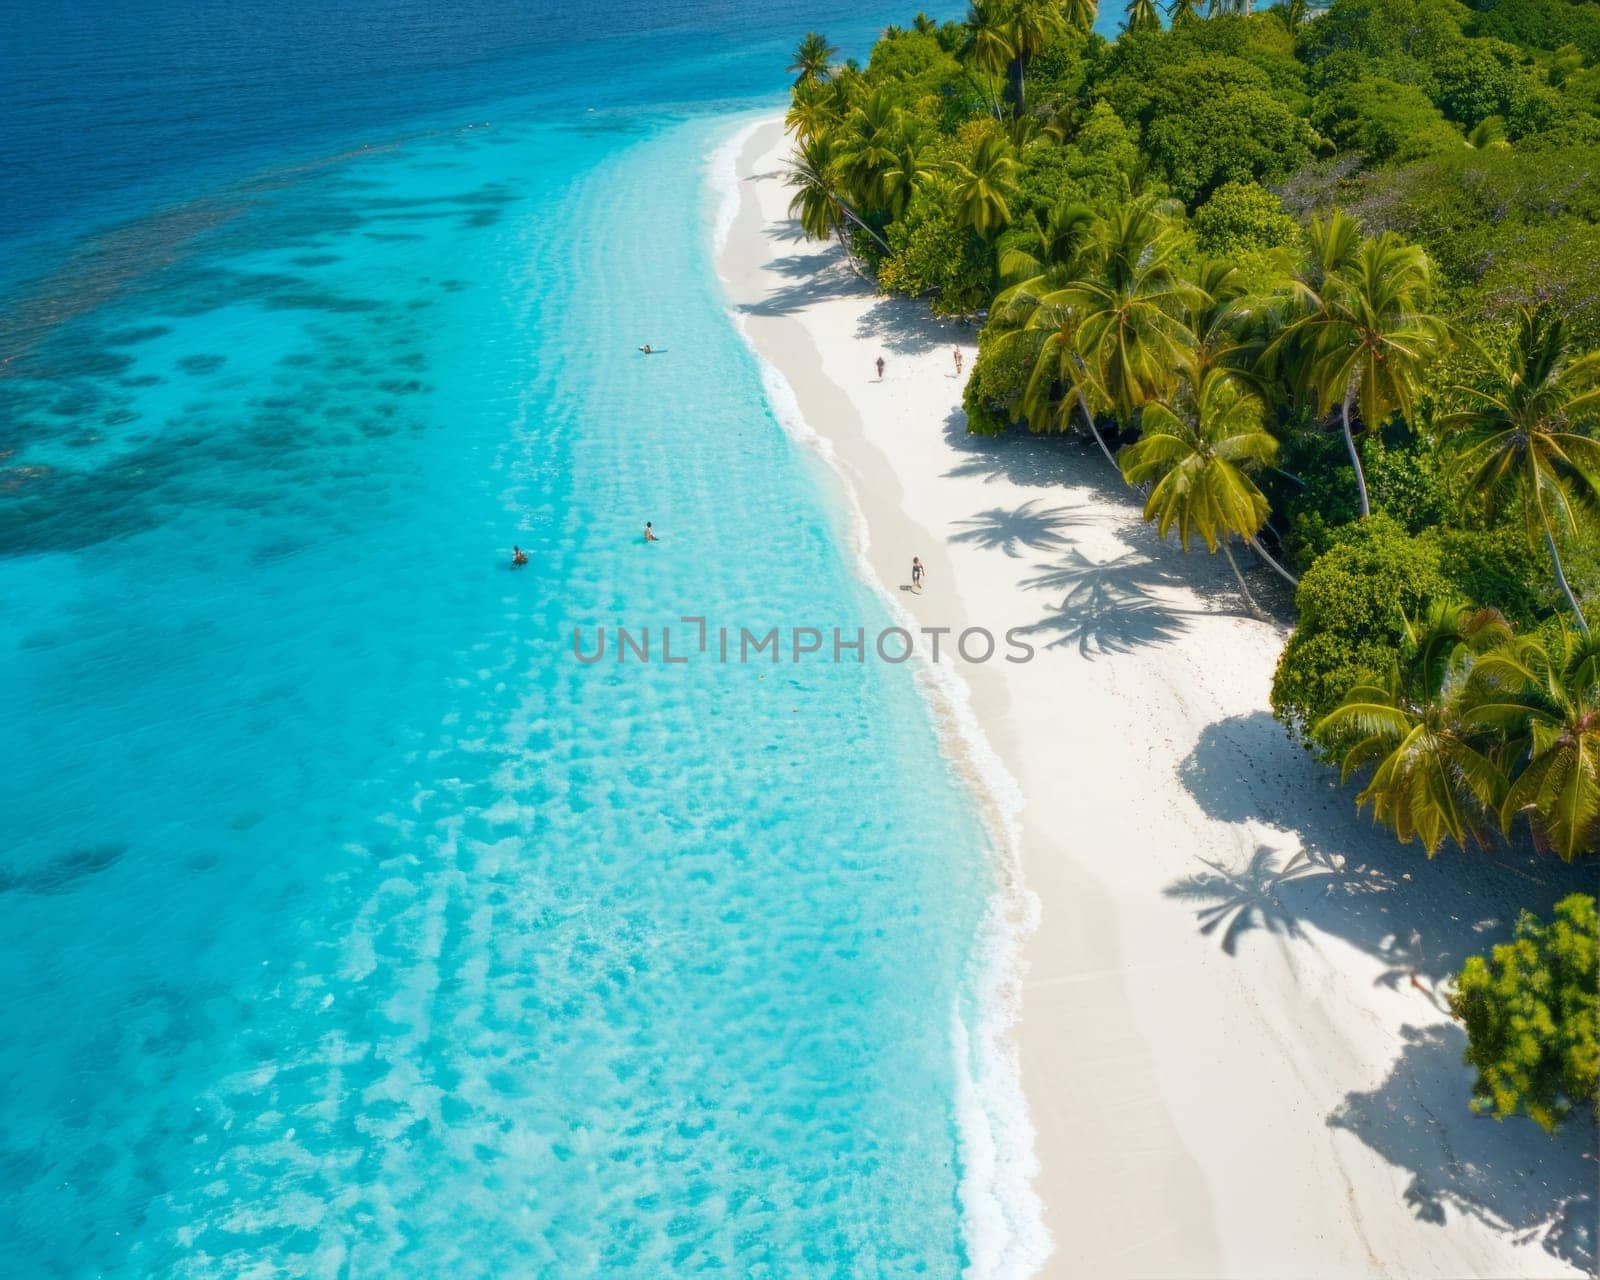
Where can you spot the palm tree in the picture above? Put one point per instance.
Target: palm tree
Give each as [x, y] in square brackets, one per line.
[1521, 435]
[867, 146]
[1080, 14]
[988, 49]
[1545, 699]
[983, 187]
[1035, 257]
[817, 202]
[1032, 25]
[1223, 316]
[812, 110]
[1292, 13]
[904, 176]
[923, 23]
[1131, 335]
[1436, 774]
[1197, 457]
[1142, 15]
[1366, 335]
[813, 59]
[1181, 13]
[1099, 319]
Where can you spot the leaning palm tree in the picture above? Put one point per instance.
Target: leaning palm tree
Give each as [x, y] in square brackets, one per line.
[988, 48]
[984, 187]
[1436, 774]
[1545, 699]
[1142, 15]
[1368, 337]
[1524, 435]
[1033, 24]
[817, 202]
[1197, 454]
[813, 59]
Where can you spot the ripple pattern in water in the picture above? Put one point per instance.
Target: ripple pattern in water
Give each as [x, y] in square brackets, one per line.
[355, 928]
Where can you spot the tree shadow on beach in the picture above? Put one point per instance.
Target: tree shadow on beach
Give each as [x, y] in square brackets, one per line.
[1421, 916]
[1031, 525]
[1320, 868]
[1508, 1174]
[1109, 607]
[906, 327]
[1247, 898]
[819, 276]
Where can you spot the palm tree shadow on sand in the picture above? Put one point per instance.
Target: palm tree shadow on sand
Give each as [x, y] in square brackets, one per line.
[1248, 898]
[1109, 607]
[1030, 526]
[1320, 869]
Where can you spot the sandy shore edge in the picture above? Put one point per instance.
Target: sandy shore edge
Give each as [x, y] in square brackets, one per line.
[1200, 1101]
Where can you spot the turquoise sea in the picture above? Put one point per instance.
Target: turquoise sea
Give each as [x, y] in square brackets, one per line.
[352, 927]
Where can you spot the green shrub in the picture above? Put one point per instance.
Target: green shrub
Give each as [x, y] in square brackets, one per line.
[997, 379]
[1383, 120]
[1531, 1010]
[1241, 218]
[1352, 605]
[930, 253]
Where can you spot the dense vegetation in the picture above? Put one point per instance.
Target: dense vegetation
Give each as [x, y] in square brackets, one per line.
[1532, 1011]
[1322, 284]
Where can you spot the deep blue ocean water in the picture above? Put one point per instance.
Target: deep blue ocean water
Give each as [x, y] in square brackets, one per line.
[351, 926]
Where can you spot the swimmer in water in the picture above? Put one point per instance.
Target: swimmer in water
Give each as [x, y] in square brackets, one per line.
[519, 557]
[649, 533]
[646, 349]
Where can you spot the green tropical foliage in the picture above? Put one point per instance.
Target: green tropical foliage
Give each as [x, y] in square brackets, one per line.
[1322, 282]
[1526, 436]
[1321, 278]
[1531, 1009]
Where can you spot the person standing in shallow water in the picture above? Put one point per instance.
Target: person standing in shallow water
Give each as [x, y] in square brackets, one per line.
[649, 533]
[880, 368]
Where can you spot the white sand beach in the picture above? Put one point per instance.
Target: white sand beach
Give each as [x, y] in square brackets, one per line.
[1234, 1053]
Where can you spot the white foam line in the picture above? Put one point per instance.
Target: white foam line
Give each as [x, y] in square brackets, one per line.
[722, 176]
[1003, 1219]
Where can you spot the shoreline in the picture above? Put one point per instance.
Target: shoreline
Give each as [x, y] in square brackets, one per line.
[1201, 1100]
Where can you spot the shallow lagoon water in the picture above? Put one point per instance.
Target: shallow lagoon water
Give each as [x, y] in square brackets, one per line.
[352, 925]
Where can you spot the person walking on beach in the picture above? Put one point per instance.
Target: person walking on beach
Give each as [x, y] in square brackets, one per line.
[917, 573]
[880, 368]
[649, 533]
[956, 352]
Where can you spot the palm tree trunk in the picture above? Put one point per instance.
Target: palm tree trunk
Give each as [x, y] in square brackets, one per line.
[1561, 578]
[1095, 432]
[1255, 609]
[1350, 444]
[851, 214]
[1016, 74]
[1255, 545]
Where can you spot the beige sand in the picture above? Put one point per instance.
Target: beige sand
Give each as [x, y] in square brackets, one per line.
[1279, 1094]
